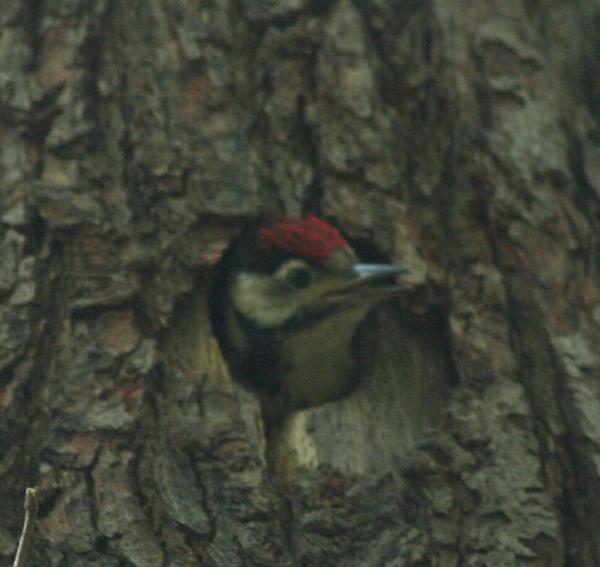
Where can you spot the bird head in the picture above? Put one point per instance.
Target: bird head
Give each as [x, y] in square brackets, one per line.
[294, 270]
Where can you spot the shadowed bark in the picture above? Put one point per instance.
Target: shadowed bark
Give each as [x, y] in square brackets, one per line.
[459, 138]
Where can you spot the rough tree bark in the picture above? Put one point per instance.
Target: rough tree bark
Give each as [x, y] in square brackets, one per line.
[461, 138]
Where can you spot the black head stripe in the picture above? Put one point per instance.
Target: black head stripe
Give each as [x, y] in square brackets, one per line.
[298, 322]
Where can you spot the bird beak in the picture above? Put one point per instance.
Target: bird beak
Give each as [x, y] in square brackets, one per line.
[368, 284]
[377, 271]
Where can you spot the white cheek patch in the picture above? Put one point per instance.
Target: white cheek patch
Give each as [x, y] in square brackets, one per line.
[255, 298]
[288, 267]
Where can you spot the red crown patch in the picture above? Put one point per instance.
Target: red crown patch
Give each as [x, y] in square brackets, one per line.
[309, 237]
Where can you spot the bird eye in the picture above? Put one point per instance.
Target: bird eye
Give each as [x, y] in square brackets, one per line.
[299, 277]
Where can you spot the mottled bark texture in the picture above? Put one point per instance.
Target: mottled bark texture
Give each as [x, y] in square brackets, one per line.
[459, 137]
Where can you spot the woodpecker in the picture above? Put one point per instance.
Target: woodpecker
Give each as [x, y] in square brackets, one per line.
[286, 303]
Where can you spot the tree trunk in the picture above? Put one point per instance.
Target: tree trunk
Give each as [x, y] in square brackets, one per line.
[460, 138]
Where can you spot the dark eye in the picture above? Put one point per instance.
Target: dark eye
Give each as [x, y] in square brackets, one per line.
[299, 277]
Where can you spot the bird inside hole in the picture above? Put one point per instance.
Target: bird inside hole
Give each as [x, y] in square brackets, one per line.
[286, 303]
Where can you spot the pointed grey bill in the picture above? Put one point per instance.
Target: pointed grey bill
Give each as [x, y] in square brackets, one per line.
[378, 270]
[365, 288]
